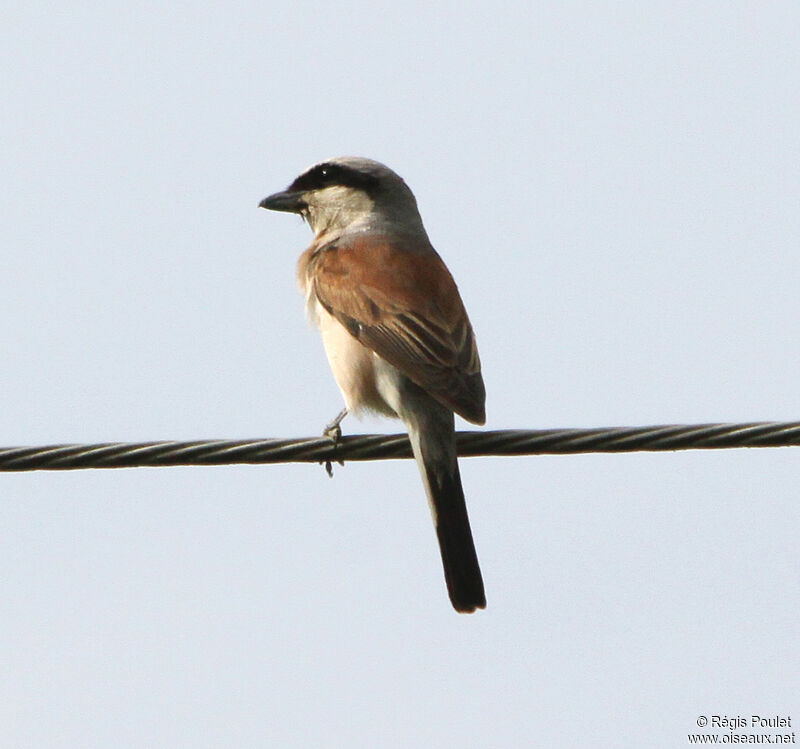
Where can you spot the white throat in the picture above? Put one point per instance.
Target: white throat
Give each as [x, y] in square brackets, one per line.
[337, 208]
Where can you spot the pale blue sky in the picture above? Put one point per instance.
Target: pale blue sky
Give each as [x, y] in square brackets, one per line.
[616, 188]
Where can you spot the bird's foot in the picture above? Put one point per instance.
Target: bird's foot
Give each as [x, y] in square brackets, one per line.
[334, 432]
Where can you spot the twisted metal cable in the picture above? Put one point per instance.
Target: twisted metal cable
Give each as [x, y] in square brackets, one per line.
[383, 446]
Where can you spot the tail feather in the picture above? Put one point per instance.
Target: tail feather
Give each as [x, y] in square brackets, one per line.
[433, 442]
[462, 572]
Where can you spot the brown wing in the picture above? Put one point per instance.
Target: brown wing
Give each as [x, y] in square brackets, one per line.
[404, 305]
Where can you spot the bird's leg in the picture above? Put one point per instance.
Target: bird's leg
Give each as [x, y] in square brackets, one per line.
[334, 432]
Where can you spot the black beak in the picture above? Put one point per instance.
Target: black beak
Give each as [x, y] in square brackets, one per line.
[288, 201]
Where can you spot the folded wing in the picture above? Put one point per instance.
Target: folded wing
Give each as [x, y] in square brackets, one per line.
[402, 303]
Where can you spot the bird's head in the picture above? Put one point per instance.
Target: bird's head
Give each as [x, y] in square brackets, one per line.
[349, 193]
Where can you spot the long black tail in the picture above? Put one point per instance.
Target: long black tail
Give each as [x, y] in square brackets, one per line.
[433, 440]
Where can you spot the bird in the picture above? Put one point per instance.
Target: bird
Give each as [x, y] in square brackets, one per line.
[395, 332]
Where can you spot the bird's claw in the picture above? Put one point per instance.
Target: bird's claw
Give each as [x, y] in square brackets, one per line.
[333, 432]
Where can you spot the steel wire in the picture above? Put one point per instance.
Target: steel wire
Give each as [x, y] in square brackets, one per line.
[385, 446]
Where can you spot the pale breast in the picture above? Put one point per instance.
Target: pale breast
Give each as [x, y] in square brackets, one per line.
[353, 365]
[359, 373]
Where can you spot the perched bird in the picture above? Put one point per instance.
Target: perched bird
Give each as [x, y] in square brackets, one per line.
[395, 331]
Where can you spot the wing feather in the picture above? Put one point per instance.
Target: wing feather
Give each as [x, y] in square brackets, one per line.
[401, 302]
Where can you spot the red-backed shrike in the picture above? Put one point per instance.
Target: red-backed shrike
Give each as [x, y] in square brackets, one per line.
[395, 331]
